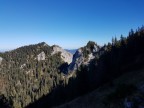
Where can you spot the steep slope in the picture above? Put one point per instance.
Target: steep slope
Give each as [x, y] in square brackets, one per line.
[29, 72]
[127, 91]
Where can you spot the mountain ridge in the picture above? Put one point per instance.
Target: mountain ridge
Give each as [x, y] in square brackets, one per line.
[38, 75]
[29, 69]
[109, 63]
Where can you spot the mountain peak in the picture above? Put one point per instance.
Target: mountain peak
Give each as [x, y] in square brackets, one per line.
[84, 55]
[91, 43]
[43, 44]
[92, 46]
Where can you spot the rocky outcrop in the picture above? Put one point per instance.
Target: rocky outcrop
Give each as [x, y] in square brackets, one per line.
[66, 56]
[77, 60]
[41, 56]
[84, 55]
[95, 48]
[1, 60]
[90, 57]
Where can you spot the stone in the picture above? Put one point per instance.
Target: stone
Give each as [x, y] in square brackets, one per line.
[41, 56]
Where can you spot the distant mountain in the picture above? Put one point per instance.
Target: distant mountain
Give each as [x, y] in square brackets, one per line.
[72, 51]
[4, 50]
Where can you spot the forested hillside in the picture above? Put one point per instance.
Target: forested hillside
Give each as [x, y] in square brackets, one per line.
[110, 61]
[35, 76]
[28, 73]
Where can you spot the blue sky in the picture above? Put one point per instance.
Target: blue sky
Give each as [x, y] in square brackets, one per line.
[68, 23]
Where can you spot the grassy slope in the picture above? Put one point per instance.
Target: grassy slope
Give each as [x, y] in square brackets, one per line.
[96, 98]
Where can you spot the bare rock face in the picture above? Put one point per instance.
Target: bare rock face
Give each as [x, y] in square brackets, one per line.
[66, 56]
[77, 60]
[41, 56]
[90, 57]
[83, 56]
[95, 49]
[1, 60]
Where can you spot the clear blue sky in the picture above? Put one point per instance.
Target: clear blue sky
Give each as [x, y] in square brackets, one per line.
[68, 23]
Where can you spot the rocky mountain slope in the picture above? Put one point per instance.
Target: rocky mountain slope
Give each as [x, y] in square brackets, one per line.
[84, 55]
[66, 56]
